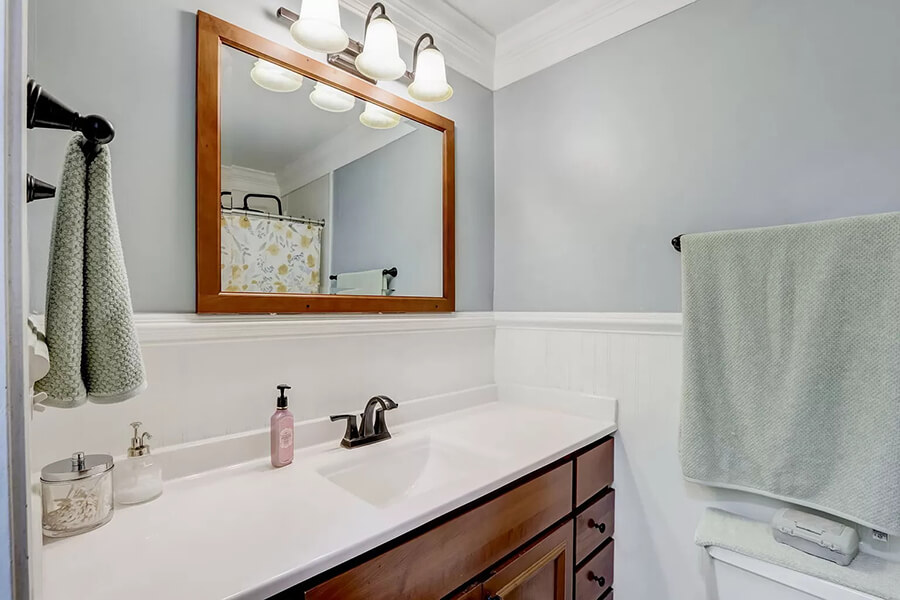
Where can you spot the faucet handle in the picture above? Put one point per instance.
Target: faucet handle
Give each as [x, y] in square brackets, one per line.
[351, 433]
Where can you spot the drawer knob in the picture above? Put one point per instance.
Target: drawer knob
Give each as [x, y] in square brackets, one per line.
[494, 598]
[601, 581]
[601, 527]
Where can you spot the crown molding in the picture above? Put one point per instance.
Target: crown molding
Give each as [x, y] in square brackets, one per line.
[244, 178]
[566, 28]
[561, 30]
[467, 48]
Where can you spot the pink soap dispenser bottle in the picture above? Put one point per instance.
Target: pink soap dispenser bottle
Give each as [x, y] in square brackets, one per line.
[282, 431]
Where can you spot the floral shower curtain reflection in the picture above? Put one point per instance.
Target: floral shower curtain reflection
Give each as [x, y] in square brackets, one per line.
[262, 254]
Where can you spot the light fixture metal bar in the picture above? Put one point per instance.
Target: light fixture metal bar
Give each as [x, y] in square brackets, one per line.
[344, 60]
[286, 14]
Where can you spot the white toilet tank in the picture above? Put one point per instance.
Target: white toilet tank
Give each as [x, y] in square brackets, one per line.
[740, 577]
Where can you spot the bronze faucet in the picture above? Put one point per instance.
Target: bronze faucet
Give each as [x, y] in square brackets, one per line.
[372, 427]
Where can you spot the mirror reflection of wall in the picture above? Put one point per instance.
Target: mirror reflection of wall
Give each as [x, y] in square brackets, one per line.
[323, 192]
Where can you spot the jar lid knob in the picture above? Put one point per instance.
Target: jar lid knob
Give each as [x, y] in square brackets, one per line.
[78, 461]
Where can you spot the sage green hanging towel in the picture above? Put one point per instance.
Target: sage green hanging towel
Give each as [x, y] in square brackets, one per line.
[792, 364]
[94, 350]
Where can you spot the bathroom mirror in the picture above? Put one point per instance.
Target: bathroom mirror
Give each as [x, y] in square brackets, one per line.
[316, 191]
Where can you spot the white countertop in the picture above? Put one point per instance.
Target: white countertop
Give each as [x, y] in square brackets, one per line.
[249, 531]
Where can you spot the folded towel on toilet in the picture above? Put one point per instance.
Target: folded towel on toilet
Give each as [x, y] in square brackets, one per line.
[93, 346]
[866, 573]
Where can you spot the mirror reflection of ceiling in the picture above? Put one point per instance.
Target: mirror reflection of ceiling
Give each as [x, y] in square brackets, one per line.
[281, 132]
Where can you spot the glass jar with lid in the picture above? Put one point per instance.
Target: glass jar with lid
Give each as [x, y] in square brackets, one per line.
[77, 494]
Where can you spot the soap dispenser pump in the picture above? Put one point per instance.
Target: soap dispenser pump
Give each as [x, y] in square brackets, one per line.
[138, 478]
[282, 431]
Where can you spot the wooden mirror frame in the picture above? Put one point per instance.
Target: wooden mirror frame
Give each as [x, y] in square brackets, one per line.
[212, 34]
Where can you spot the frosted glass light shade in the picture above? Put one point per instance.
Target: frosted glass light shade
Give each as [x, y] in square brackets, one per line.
[319, 26]
[380, 58]
[377, 117]
[275, 78]
[430, 79]
[333, 100]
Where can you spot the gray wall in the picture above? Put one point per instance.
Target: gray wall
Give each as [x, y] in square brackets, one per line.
[388, 213]
[134, 62]
[725, 114]
[313, 201]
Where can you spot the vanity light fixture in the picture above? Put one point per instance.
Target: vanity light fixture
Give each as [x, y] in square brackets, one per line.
[380, 58]
[429, 73]
[331, 99]
[319, 26]
[275, 78]
[378, 117]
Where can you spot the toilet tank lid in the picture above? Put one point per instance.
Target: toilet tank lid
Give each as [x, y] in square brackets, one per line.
[808, 584]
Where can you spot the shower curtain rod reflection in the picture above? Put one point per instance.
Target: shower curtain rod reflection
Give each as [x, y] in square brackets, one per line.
[259, 213]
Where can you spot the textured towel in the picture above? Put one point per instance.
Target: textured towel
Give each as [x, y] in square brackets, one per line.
[792, 364]
[866, 573]
[94, 351]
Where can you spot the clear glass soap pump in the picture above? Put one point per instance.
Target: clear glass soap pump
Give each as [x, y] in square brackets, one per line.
[138, 478]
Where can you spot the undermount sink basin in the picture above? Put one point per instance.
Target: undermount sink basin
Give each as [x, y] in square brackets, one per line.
[392, 471]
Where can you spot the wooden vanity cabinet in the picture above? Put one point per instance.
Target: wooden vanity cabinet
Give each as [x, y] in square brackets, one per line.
[594, 471]
[594, 578]
[441, 559]
[473, 592]
[594, 525]
[539, 538]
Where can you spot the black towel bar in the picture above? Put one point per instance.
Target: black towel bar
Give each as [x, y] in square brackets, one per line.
[676, 242]
[45, 111]
[392, 272]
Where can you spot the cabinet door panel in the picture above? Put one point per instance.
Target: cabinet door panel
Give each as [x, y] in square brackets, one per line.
[541, 571]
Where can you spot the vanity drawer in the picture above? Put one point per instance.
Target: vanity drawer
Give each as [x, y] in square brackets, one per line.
[593, 471]
[594, 525]
[448, 555]
[595, 577]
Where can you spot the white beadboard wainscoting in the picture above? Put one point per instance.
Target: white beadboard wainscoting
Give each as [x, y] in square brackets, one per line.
[636, 359]
[214, 376]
